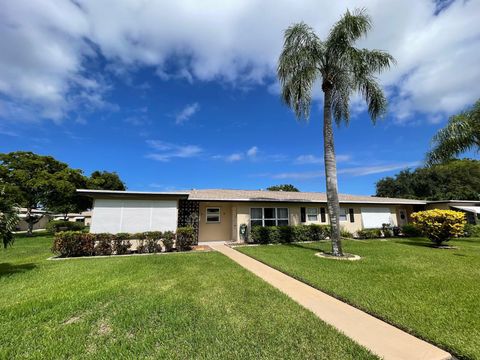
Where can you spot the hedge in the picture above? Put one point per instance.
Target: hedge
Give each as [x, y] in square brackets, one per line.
[472, 230]
[287, 234]
[78, 243]
[55, 226]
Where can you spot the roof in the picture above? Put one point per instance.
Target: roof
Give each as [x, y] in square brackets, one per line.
[255, 195]
[289, 196]
[473, 209]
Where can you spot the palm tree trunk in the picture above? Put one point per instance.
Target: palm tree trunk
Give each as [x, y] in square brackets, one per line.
[331, 173]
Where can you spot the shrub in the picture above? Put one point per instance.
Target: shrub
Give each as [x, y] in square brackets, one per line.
[137, 236]
[369, 233]
[260, 235]
[153, 235]
[73, 243]
[301, 233]
[440, 225]
[285, 234]
[471, 230]
[168, 240]
[55, 226]
[346, 234]
[318, 232]
[185, 238]
[122, 236]
[103, 247]
[121, 246]
[153, 246]
[410, 230]
[141, 247]
[104, 237]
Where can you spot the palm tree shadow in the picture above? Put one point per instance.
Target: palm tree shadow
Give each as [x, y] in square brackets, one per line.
[304, 245]
[415, 243]
[7, 269]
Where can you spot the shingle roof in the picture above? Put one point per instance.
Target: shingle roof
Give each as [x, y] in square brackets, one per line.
[288, 196]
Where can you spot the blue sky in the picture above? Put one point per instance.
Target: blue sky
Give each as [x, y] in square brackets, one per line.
[197, 105]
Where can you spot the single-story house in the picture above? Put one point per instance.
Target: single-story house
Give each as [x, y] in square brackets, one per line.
[41, 224]
[219, 215]
[85, 217]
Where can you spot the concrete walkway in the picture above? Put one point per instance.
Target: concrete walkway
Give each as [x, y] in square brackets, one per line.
[382, 339]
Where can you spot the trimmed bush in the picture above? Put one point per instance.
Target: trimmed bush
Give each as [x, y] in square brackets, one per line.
[141, 247]
[260, 235]
[153, 235]
[153, 246]
[103, 247]
[104, 237]
[287, 234]
[410, 230]
[369, 234]
[168, 240]
[346, 234]
[121, 246]
[471, 230]
[55, 226]
[73, 243]
[440, 225]
[318, 232]
[185, 238]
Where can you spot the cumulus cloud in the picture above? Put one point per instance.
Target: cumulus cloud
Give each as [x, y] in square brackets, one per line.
[251, 154]
[186, 113]
[165, 151]
[47, 47]
[313, 159]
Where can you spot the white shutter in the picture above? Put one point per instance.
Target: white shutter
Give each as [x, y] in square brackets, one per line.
[374, 217]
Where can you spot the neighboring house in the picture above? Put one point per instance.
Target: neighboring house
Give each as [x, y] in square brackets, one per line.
[218, 215]
[40, 225]
[84, 217]
[470, 208]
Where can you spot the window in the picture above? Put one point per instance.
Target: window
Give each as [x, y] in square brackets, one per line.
[268, 216]
[213, 215]
[312, 214]
[323, 217]
[342, 215]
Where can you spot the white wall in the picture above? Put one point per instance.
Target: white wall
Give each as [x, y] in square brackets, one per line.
[119, 215]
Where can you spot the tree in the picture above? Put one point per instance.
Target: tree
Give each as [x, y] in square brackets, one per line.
[104, 180]
[462, 133]
[8, 218]
[343, 70]
[283, 187]
[456, 179]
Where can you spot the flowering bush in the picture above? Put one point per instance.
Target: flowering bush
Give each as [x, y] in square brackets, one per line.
[440, 225]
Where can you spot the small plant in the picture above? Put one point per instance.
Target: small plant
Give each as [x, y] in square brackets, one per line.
[141, 247]
[103, 247]
[153, 246]
[55, 226]
[369, 233]
[185, 238]
[471, 230]
[168, 240]
[121, 246]
[440, 225]
[410, 230]
[346, 234]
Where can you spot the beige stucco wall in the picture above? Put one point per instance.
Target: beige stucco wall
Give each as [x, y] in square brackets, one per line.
[40, 225]
[216, 231]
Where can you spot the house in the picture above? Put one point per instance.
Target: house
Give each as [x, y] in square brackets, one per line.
[85, 217]
[218, 215]
[43, 216]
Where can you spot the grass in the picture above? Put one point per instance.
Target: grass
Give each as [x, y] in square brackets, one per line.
[431, 293]
[176, 306]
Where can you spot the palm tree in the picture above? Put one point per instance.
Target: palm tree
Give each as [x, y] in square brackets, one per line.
[462, 133]
[343, 70]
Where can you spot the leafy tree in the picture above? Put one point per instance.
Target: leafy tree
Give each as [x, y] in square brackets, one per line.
[283, 187]
[456, 179]
[462, 133]
[104, 180]
[343, 70]
[8, 218]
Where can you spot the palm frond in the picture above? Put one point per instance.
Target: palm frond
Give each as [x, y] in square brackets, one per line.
[374, 96]
[298, 67]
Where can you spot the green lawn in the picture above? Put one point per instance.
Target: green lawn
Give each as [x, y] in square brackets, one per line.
[432, 293]
[175, 306]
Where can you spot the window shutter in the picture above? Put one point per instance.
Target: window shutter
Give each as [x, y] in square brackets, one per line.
[323, 218]
[303, 217]
[352, 218]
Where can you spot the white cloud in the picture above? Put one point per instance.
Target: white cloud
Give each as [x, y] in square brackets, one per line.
[166, 151]
[312, 159]
[353, 171]
[186, 113]
[252, 152]
[47, 45]
[234, 157]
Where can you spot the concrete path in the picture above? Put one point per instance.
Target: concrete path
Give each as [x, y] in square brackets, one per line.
[382, 339]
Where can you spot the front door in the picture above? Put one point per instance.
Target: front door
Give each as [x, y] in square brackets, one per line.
[402, 217]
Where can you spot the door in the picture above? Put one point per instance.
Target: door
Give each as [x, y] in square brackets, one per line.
[402, 217]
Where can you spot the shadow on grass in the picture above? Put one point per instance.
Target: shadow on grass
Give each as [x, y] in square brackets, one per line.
[35, 234]
[10, 269]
